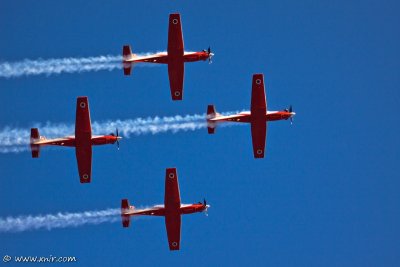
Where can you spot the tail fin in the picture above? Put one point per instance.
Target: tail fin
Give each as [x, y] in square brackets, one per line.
[211, 113]
[35, 148]
[126, 219]
[127, 54]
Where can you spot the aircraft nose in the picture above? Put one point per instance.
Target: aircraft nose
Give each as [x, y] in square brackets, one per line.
[292, 114]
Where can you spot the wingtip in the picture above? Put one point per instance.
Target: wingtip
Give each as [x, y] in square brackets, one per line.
[258, 76]
[173, 246]
[85, 179]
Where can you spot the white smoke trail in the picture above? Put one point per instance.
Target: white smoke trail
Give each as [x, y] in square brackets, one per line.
[14, 149]
[28, 67]
[153, 126]
[52, 66]
[15, 140]
[59, 220]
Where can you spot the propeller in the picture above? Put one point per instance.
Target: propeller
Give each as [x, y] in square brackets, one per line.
[116, 130]
[117, 135]
[206, 207]
[210, 55]
[291, 114]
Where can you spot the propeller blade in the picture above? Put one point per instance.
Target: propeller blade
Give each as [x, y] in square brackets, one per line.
[117, 134]
[206, 208]
[291, 115]
[209, 55]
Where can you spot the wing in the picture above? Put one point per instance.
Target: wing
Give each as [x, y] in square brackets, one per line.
[258, 111]
[172, 199]
[175, 37]
[176, 71]
[83, 136]
[258, 104]
[84, 159]
[172, 203]
[258, 136]
[82, 121]
[173, 225]
[176, 65]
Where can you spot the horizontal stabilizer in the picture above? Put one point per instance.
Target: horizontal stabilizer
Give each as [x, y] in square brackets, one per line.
[127, 68]
[35, 149]
[127, 55]
[126, 52]
[126, 219]
[211, 113]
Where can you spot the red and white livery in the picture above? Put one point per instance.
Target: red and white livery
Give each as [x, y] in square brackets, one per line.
[171, 210]
[258, 116]
[83, 140]
[175, 57]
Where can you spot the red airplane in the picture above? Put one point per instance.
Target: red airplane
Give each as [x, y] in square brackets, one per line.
[175, 57]
[171, 210]
[258, 116]
[82, 141]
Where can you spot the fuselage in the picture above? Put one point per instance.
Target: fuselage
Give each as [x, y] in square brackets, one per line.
[159, 210]
[164, 58]
[247, 117]
[70, 141]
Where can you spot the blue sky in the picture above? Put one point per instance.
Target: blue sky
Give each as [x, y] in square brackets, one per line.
[327, 192]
